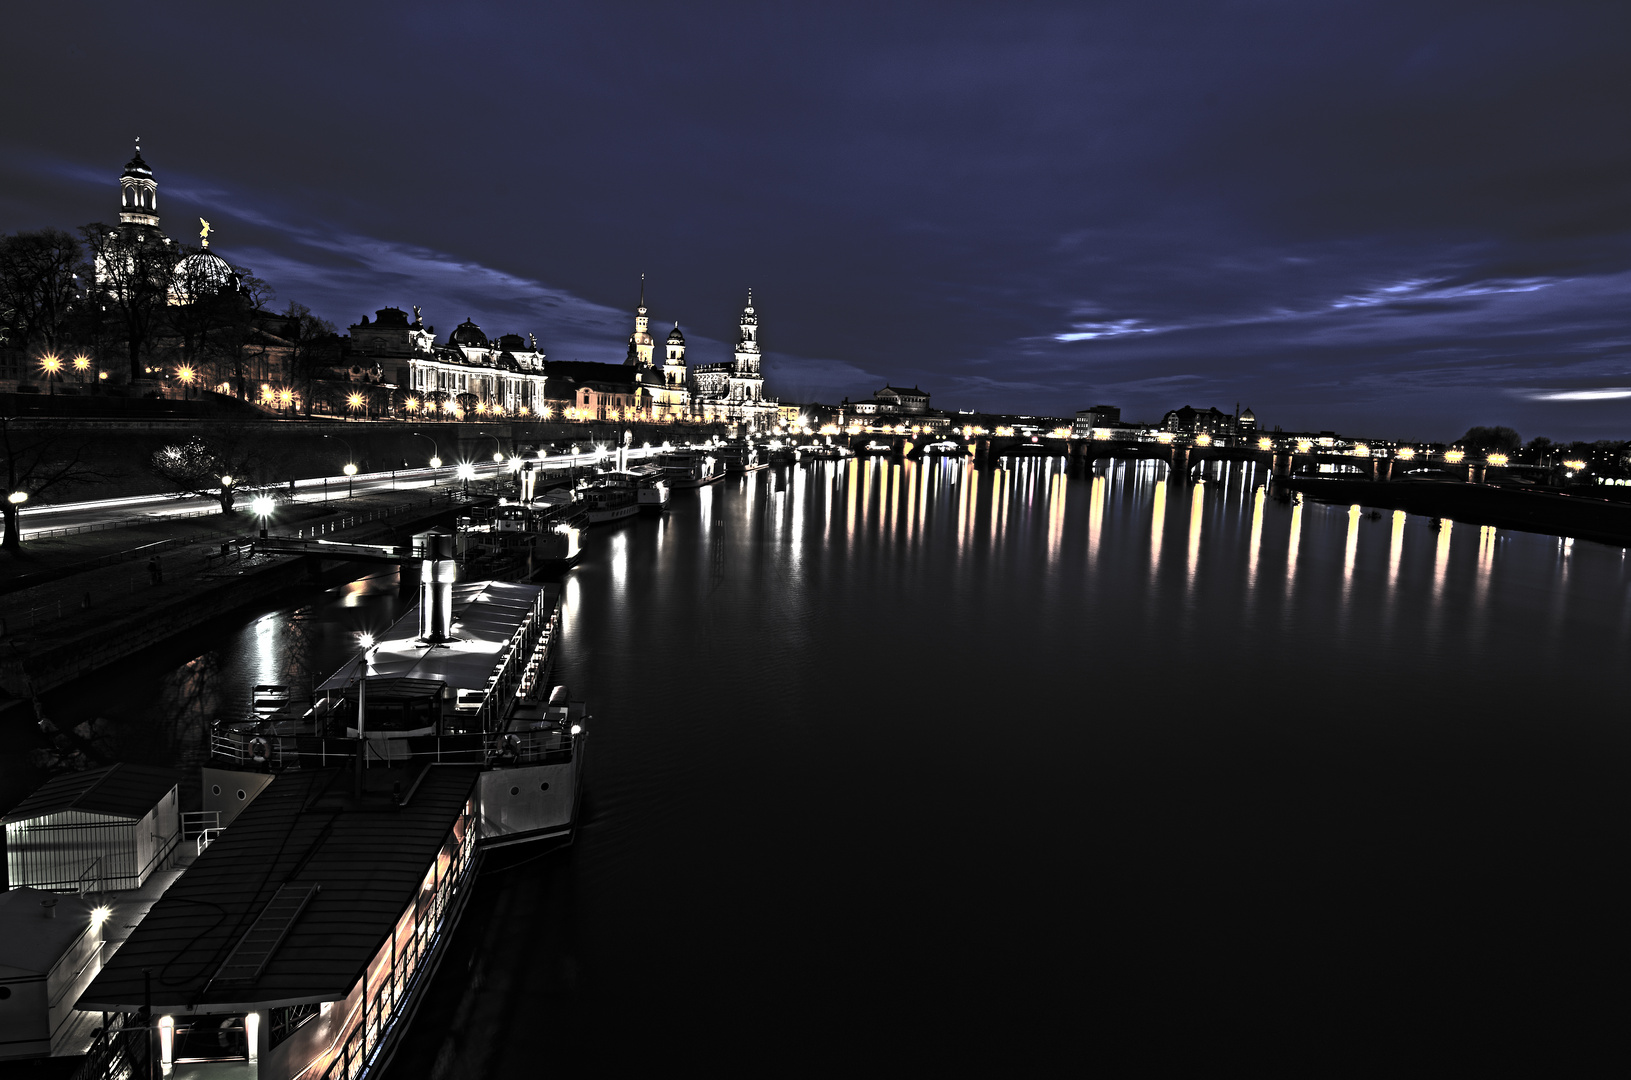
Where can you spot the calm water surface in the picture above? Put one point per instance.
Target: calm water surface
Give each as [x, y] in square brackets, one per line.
[914, 759]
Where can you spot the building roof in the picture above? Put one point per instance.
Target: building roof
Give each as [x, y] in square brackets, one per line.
[675, 337]
[914, 391]
[137, 167]
[619, 377]
[368, 857]
[467, 333]
[30, 943]
[122, 790]
[486, 615]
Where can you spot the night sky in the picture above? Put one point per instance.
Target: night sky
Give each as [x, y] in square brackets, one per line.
[1391, 219]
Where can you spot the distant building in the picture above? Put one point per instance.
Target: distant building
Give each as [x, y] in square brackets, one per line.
[1192, 421]
[1247, 423]
[894, 399]
[1099, 416]
[584, 390]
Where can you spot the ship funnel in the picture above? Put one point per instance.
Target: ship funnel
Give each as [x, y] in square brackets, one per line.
[436, 579]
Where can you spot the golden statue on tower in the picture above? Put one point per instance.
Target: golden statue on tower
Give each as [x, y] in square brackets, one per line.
[204, 233]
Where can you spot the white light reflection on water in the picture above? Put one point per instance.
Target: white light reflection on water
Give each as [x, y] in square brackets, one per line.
[1095, 515]
[620, 558]
[1295, 542]
[1441, 557]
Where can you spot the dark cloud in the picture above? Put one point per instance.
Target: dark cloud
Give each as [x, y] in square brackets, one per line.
[1398, 218]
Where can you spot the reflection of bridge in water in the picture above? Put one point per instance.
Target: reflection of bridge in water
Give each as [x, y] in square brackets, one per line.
[1183, 458]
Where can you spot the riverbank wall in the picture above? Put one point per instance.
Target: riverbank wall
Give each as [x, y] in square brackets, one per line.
[1555, 514]
[121, 609]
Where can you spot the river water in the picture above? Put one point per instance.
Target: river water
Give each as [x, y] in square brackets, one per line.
[898, 762]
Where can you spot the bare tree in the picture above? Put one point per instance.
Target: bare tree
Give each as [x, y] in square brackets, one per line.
[37, 463]
[309, 338]
[134, 269]
[40, 285]
[217, 466]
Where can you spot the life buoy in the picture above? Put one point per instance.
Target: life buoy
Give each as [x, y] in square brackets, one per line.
[257, 749]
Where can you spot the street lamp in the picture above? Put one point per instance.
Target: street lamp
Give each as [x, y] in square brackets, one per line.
[51, 364]
[467, 472]
[187, 376]
[353, 401]
[350, 469]
[82, 364]
[262, 507]
[435, 453]
[17, 498]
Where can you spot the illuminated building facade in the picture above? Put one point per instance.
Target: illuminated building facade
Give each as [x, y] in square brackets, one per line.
[733, 392]
[470, 374]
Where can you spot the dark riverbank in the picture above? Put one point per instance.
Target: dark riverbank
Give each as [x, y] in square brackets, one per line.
[1552, 513]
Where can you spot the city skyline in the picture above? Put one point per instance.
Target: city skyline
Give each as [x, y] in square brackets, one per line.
[1397, 222]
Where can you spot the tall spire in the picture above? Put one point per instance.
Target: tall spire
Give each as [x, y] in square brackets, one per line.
[642, 294]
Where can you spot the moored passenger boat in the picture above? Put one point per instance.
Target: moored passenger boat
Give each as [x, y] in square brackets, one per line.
[609, 497]
[741, 457]
[692, 467]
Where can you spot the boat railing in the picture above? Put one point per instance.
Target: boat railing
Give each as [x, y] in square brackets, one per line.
[546, 747]
[90, 879]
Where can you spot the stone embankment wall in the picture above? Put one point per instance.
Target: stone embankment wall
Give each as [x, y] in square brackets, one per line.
[127, 613]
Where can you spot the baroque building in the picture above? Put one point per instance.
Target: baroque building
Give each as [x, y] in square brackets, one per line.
[470, 374]
[733, 392]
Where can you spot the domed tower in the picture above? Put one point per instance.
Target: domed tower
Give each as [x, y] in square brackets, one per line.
[747, 341]
[138, 193]
[642, 347]
[674, 361]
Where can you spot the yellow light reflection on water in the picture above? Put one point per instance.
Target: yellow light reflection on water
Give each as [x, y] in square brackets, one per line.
[1257, 537]
[1441, 557]
[1296, 541]
[1095, 513]
[1158, 522]
[1197, 508]
[1350, 551]
[911, 470]
[1395, 552]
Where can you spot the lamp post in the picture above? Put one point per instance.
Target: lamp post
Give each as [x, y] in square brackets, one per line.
[51, 364]
[350, 469]
[467, 472]
[435, 452]
[82, 365]
[187, 376]
[353, 402]
[262, 507]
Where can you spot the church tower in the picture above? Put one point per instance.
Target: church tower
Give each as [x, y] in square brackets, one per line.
[675, 398]
[138, 193]
[642, 348]
[747, 341]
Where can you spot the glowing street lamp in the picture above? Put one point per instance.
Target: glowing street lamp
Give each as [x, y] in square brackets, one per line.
[261, 506]
[1407, 452]
[187, 376]
[1265, 443]
[467, 473]
[82, 364]
[285, 398]
[1498, 459]
[353, 401]
[1454, 457]
[51, 364]
[17, 498]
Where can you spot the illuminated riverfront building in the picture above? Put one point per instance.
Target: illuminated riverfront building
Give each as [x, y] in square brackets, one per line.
[733, 392]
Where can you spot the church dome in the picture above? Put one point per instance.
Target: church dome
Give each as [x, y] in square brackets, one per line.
[200, 275]
[468, 333]
[675, 337]
[138, 168]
